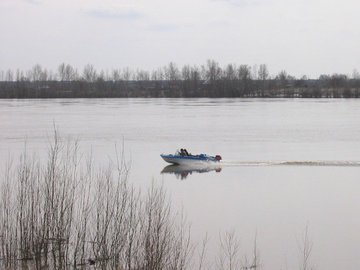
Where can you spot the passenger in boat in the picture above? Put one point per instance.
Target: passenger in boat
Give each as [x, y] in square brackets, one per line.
[182, 152]
[186, 153]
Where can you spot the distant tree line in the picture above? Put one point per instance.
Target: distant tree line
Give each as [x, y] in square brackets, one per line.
[209, 80]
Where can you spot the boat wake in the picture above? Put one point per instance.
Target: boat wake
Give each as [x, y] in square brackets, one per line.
[183, 171]
[293, 163]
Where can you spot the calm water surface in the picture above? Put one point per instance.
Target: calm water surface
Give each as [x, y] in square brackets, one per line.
[287, 164]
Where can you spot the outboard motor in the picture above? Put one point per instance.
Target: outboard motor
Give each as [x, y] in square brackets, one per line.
[218, 157]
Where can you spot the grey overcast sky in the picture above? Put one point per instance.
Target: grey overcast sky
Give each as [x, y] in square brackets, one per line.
[303, 37]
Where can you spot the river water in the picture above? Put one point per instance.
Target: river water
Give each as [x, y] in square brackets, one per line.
[288, 164]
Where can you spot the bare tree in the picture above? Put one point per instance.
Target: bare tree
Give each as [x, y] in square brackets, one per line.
[202, 253]
[263, 72]
[61, 72]
[89, 73]
[244, 76]
[255, 72]
[142, 75]
[9, 75]
[230, 72]
[8, 243]
[116, 75]
[67, 72]
[305, 249]
[356, 74]
[35, 73]
[172, 74]
[228, 258]
[212, 71]
[254, 263]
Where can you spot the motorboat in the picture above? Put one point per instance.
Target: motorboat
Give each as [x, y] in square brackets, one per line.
[182, 157]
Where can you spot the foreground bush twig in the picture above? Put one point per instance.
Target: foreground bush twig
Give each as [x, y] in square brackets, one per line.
[65, 213]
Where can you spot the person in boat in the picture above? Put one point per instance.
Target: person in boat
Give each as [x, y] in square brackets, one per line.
[186, 153]
[182, 153]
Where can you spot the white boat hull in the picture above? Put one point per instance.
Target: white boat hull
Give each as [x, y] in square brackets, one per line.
[189, 161]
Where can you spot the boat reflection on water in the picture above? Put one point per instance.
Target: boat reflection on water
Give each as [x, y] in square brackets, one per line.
[183, 171]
